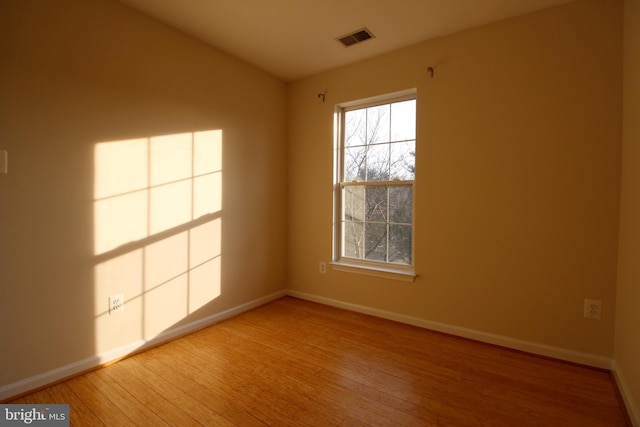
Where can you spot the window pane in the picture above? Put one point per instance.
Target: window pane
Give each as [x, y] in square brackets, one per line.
[378, 123]
[400, 244]
[400, 204]
[354, 203]
[354, 164]
[378, 162]
[376, 241]
[378, 154]
[403, 160]
[376, 204]
[355, 128]
[403, 120]
[353, 239]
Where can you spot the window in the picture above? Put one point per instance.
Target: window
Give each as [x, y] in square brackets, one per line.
[375, 173]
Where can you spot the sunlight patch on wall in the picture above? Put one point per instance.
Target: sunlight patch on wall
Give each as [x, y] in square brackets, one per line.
[148, 185]
[120, 192]
[158, 232]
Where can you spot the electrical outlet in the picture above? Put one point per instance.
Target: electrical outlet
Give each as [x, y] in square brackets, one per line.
[116, 303]
[592, 309]
[323, 267]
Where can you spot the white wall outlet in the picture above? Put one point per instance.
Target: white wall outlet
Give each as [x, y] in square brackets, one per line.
[116, 303]
[592, 309]
[322, 267]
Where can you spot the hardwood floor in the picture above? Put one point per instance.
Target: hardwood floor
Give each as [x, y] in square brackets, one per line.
[297, 363]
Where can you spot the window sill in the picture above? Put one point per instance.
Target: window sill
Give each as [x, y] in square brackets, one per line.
[386, 273]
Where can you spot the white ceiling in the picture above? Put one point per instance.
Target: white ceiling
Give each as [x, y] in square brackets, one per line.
[297, 38]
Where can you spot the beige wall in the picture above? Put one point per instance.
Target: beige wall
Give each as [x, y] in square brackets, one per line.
[627, 348]
[516, 195]
[76, 73]
[517, 181]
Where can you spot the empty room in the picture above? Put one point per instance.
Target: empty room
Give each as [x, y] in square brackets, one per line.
[336, 212]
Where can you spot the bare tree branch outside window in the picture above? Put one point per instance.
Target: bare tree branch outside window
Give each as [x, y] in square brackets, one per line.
[378, 174]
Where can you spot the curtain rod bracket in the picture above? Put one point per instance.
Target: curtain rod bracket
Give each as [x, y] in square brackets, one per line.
[430, 70]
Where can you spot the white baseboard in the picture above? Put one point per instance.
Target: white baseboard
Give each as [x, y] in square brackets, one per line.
[593, 360]
[25, 385]
[632, 409]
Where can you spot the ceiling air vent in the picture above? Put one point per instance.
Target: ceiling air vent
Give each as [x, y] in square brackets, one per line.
[356, 37]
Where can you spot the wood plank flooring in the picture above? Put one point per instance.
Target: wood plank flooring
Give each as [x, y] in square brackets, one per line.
[297, 363]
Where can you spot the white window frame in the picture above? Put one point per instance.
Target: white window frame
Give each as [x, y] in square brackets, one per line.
[374, 268]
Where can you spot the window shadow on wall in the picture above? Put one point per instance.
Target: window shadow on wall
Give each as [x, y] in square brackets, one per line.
[157, 232]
